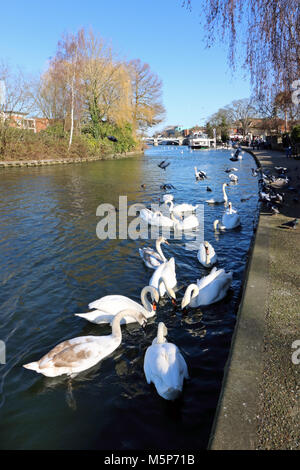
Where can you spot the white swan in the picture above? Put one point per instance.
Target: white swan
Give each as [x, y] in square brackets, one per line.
[230, 218]
[233, 177]
[180, 209]
[78, 354]
[219, 201]
[164, 279]
[152, 258]
[206, 254]
[168, 197]
[218, 224]
[165, 366]
[187, 223]
[109, 306]
[156, 218]
[208, 290]
[200, 175]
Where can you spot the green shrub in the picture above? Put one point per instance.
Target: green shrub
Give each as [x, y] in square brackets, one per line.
[55, 130]
[295, 135]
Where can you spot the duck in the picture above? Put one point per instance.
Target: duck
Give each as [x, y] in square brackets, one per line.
[167, 186]
[220, 200]
[208, 290]
[230, 218]
[105, 309]
[229, 170]
[233, 177]
[206, 254]
[164, 279]
[156, 218]
[78, 354]
[188, 223]
[165, 366]
[180, 209]
[152, 258]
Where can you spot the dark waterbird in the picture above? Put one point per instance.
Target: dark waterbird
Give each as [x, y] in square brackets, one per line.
[167, 186]
[112, 138]
[163, 164]
[208, 188]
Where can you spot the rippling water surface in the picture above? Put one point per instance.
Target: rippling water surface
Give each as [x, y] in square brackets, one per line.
[53, 265]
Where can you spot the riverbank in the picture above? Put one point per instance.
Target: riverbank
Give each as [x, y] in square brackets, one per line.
[57, 161]
[259, 403]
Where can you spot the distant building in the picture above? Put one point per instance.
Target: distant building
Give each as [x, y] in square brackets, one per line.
[22, 121]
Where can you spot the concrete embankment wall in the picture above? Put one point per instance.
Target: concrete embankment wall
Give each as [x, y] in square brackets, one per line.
[259, 402]
[235, 424]
[65, 161]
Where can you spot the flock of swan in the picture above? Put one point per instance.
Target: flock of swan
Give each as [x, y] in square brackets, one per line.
[164, 365]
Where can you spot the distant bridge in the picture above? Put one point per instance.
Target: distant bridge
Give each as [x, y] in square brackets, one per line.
[164, 140]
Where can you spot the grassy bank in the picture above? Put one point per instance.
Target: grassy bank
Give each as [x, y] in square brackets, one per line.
[52, 143]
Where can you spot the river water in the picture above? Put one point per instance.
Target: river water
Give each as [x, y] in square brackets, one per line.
[53, 265]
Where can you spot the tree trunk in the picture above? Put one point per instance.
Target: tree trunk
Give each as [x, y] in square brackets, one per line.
[72, 114]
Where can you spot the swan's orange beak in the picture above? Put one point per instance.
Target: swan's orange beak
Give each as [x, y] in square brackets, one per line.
[174, 302]
[154, 306]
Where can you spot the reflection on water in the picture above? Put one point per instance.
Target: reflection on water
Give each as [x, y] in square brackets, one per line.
[53, 265]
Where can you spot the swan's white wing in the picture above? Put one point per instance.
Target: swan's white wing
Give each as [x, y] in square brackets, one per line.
[113, 304]
[155, 278]
[165, 367]
[76, 352]
[190, 222]
[204, 281]
[231, 220]
[150, 257]
[216, 289]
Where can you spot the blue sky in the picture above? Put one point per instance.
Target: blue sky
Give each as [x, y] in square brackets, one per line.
[196, 81]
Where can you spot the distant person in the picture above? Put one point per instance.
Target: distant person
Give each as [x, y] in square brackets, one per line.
[287, 145]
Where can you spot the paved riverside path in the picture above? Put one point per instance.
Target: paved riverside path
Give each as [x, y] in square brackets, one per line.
[259, 407]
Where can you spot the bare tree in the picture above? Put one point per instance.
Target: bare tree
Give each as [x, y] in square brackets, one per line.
[269, 31]
[241, 113]
[15, 100]
[147, 107]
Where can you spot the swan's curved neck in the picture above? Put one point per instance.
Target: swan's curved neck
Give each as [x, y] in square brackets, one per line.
[191, 292]
[159, 250]
[172, 217]
[161, 333]
[146, 304]
[224, 193]
[116, 326]
[216, 223]
[207, 254]
[170, 205]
